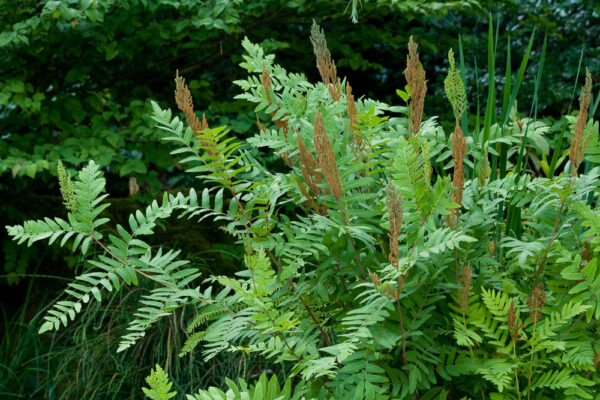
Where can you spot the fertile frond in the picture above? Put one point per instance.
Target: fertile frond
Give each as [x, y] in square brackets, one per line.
[415, 77]
[455, 88]
[66, 188]
[325, 64]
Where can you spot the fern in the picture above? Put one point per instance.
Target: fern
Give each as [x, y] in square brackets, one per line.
[360, 277]
[160, 387]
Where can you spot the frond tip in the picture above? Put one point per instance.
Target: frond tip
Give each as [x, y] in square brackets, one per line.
[67, 190]
[183, 98]
[580, 140]
[415, 77]
[326, 157]
[160, 387]
[455, 88]
[325, 64]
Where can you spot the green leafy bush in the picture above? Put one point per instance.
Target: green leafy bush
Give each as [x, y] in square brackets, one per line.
[77, 76]
[370, 271]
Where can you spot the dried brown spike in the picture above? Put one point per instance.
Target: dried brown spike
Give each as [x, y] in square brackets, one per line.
[183, 98]
[388, 291]
[536, 302]
[204, 124]
[325, 64]
[415, 77]
[353, 116]
[266, 82]
[393, 203]
[308, 166]
[578, 142]
[459, 150]
[464, 293]
[513, 326]
[326, 157]
[280, 123]
[374, 278]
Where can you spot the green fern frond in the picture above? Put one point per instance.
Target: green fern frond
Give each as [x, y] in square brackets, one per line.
[67, 189]
[160, 386]
[455, 88]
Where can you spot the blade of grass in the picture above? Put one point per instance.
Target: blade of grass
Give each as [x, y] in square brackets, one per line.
[594, 105]
[590, 198]
[507, 81]
[514, 213]
[478, 112]
[464, 125]
[490, 106]
[505, 110]
[510, 102]
[463, 77]
[534, 105]
[558, 142]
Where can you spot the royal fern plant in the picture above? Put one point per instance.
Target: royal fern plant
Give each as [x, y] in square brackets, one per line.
[381, 259]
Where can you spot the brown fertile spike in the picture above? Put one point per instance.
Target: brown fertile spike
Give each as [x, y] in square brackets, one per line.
[326, 157]
[415, 77]
[513, 326]
[266, 82]
[459, 150]
[393, 204]
[387, 291]
[183, 98]
[353, 116]
[280, 123]
[375, 278]
[308, 166]
[464, 293]
[578, 142]
[325, 64]
[536, 302]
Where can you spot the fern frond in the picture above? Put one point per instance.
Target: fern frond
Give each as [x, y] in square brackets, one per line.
[160, 386]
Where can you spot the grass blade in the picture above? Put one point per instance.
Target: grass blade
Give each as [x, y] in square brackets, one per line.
[490, 107]
[559, 140]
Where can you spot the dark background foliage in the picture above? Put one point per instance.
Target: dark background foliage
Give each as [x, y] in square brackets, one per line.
[76, 77]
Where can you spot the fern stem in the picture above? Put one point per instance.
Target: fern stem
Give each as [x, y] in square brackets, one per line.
[272, 257]
[516, 370]
[552, 236]
[125, 263]
[306, 306]
[531, 362]
[107, 250]
[400, 286]
[299, 358]
[341, 276]
[356, 256]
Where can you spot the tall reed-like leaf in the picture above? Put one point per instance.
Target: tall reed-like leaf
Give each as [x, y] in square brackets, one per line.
[490, 109]
[558, 143]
